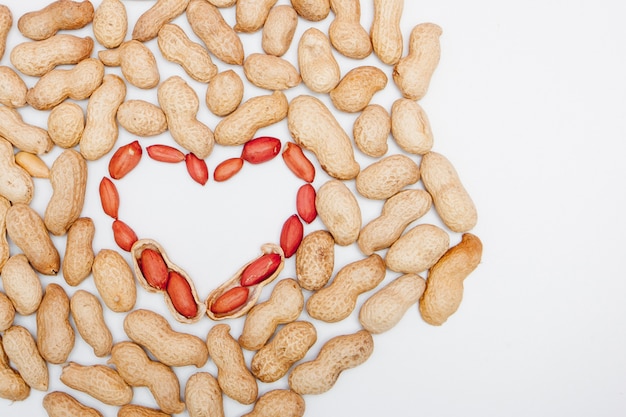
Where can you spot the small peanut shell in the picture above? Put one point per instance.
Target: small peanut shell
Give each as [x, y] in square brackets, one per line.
[110, 23]
[16, 185]
[27, 230]
[152, 331]
[339, 210]
[315, 260]
[338, 354]
[152, 20]
[336, 301]
[137, 62]
[176, 47]
[233, 376]
[141, 118]
[68, 177]
[88, 317]
[312, 10]
[58, 15]
[397, 213]
[79, 254]
[24, 136]
[12, 88]
[250, 15]
[387, 306]
[418, 249]
[255, 290]
[203, 396]
[55, 334]
[278, 30]
[318, 67]
[278, 402]
[410, 127]
[224, 93]
[385, 178]
[371, 130]
[284, 306]
[114, 280]
[451, 200]
[100, 381]
[289, 345]
[6, 21]
[21, 349]
[60, 404]
[356, 89]
[270, 72]
[12, 385]
[345, 31]
[36, 58]
[21, 284]
[444, 286]
[7, 312]
[412, 74]
[136, 250]
[385, 31]
[66, 123]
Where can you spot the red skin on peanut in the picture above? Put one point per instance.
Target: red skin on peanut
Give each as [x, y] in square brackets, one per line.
[179, 291]
[124, 236]
[153, 268]
[109, 197]
[124, 160]
[305, 203]
[261, 149]
[298, 163]
[260, 269]
[230, 300]
[227, 169]
[197, 168]
[291, 235]
[165, 153]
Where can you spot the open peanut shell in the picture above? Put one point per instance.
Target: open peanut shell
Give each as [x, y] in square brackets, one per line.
[255, 290]
[136, 250]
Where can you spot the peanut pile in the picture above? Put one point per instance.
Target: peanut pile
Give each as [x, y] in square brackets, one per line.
[87, 109]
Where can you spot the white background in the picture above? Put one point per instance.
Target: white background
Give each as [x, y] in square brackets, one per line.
[528, 102]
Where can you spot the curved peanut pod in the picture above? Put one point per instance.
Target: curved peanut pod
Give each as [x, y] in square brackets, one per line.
[203, 396]
[338, 354]
[339, 210]
[418, 249]
[21, 349]
[58, 404]
[255, 290]
[193, 57]
[137, 62]
[385, 31]
[114, 280]
[25, 137]
[345, 31]
[89, 320]
[100, 381]
[270, 72]
[162, 11]
[356, 89]
[278, 402]
[13, 89]
[12, 385]
[136, 250]
[35, 58]
[79, 254]
[55, 334]
[133, 410]
[312, 10]
[58, 15]
[141, 118]
[386, 177]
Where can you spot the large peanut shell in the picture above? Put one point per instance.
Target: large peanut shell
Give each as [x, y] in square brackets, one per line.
[339, 210]
[418, 249]
[315, 260]
[24, 136]
[79, 254]
[35, 58]
[12, 88]
[12, 385]
[386, 177]
[21, 349]
[21, 284]
[114, 280]
[58, 15]
[55, 334]
[161, 12]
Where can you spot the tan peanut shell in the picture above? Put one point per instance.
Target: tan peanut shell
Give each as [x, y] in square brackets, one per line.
[12, 88]
[176, 47]
[16, 185]
[397, 213]
[412, 73]
[345, 31]
[133, 410]
[318, 67]
[180, 104]
[383, 310]
[137, 62]
[254, 290]
[338, 354]
[209, 25]
[233, 376]
[278, 402]
[315, 128]
[222, 3]
[114, 280]
[224, 93]
[339, 210]
[162, 11]
[7, 312]
[77, 83]
[203, 396]
[410, 127]
[6, 21]
[24, 136]
[79, 254]
[58, 15]
[21, 349]
[284, 306]
[27, 230]
[312, 10]
[141, 118]
[250, 15]
[61, 404]
[66, 123]
[290, 344]
[136, 250]
[315, 260]
[153, 332]
[4, 243]
[88, 316]
[371, 130]
[138, 370]
[444, 286]
[241, 125]
[451, 200]
[270, 72]
[356, 89]
[55, 334]
[387, 177]
[386, 34]
[336, 301]
[279, 29]
[110, 23]
[68, 177]
[418, 249]
[36, 58]
[32, 164]
[12, 385]
[21, 284]
[101, 131]
[100, 381]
